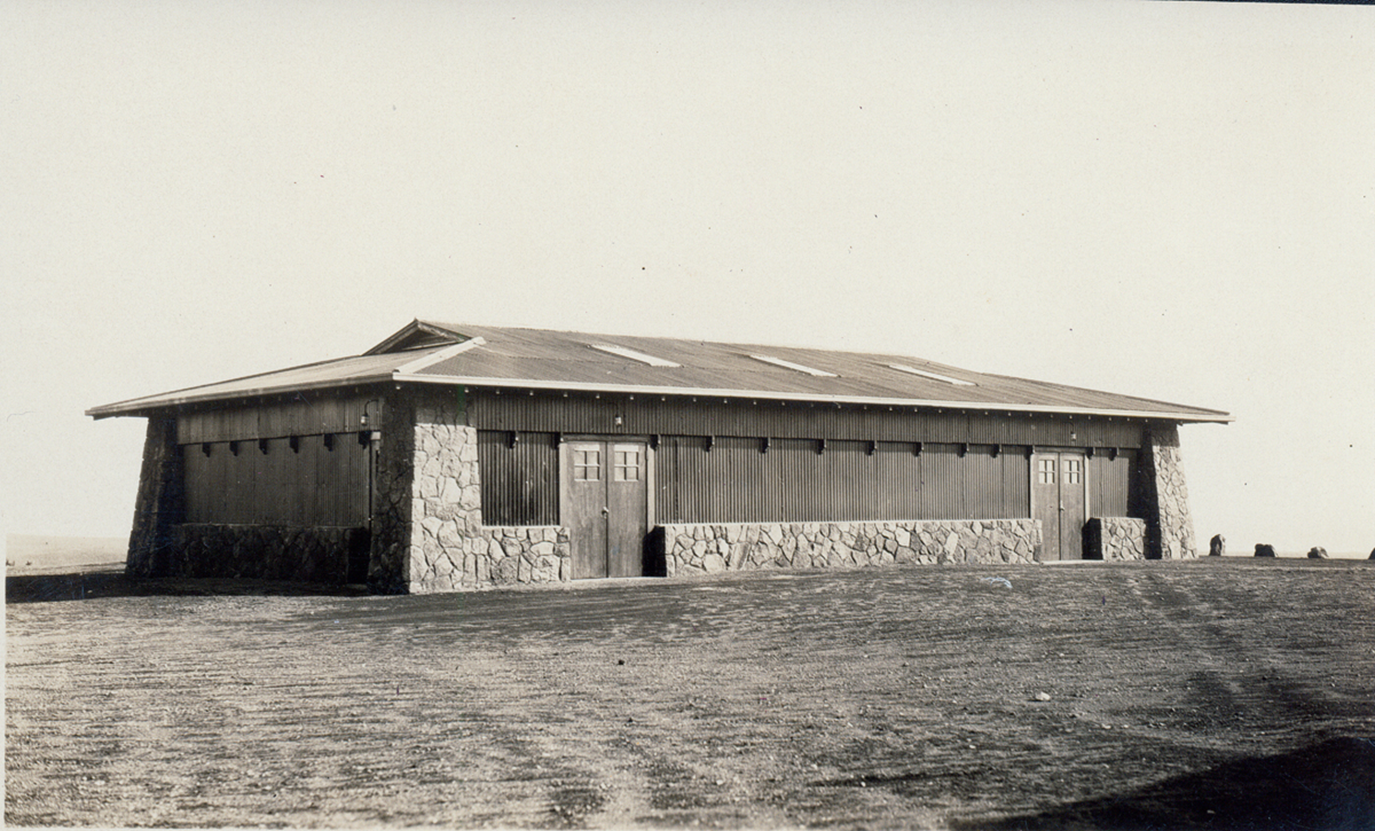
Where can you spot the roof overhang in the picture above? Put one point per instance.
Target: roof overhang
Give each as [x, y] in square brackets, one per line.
[856, 400]
[155, 404]
[408, 375]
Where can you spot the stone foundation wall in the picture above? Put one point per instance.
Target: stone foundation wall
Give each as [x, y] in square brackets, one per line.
[316, 554]
[709, 548]
[1169, 525]
[1115, 538]
[492, 558]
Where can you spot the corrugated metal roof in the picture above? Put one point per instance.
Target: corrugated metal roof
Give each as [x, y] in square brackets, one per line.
[320, 375]
[545, 359]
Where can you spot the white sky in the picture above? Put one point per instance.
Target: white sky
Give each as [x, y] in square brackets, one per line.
[1174, 200]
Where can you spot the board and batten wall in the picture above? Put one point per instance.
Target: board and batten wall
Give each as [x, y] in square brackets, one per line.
[741, 461]
[299, 462]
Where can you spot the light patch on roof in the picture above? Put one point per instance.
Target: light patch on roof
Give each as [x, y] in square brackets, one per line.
[934, 376]
[625, 352]
[442, 355]
[769, 359]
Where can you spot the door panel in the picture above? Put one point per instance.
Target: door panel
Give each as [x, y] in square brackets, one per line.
[586, 504]
[1073, 478]
[1045, 498]
[626, 501]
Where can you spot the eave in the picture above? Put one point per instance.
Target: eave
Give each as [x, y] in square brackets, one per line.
[1205, 416]
[144, 407]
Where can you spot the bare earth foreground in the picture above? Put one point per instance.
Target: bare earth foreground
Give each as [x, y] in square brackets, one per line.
[1209, 694]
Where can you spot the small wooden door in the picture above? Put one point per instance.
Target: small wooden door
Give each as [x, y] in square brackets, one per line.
[1059, 487]
[607, 500]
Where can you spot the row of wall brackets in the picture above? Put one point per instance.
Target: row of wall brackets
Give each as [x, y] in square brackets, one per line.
[708, 442]
[294, 442]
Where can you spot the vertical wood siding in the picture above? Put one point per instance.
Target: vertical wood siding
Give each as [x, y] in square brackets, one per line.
[791, 482]
[305, 415]
[1110, 484]
[520, 484]
[942, 484]
[735, 482]
[309, 486]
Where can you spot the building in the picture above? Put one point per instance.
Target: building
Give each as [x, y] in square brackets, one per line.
[452, 457]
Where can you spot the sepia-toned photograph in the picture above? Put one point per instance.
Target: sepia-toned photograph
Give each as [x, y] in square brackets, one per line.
[656, 415]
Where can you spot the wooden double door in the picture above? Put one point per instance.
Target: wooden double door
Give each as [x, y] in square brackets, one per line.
[1059, 498]
[606, 506]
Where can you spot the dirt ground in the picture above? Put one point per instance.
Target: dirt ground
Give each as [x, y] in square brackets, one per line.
[1209, 694]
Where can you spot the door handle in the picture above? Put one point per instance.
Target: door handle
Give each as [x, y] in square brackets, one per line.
[607, 511]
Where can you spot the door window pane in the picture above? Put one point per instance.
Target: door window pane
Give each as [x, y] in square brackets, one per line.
[627, 468]
[587, 465]
[1045, 469]
[1074, 471]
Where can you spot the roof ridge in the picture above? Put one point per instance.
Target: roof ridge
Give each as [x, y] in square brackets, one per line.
[745, 346]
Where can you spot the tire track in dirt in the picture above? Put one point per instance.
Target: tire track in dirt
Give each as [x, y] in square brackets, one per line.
[1258, 674]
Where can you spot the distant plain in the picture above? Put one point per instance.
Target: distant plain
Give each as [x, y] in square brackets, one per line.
[28, 552]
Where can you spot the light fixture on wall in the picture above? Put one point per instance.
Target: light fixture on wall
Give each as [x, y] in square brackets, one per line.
[618, 421]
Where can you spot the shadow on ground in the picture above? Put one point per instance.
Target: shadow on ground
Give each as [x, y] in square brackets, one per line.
[95, 583]
[1330, 785]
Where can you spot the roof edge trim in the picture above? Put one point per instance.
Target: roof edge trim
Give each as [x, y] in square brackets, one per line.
[140, 407]
[1202, 416]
